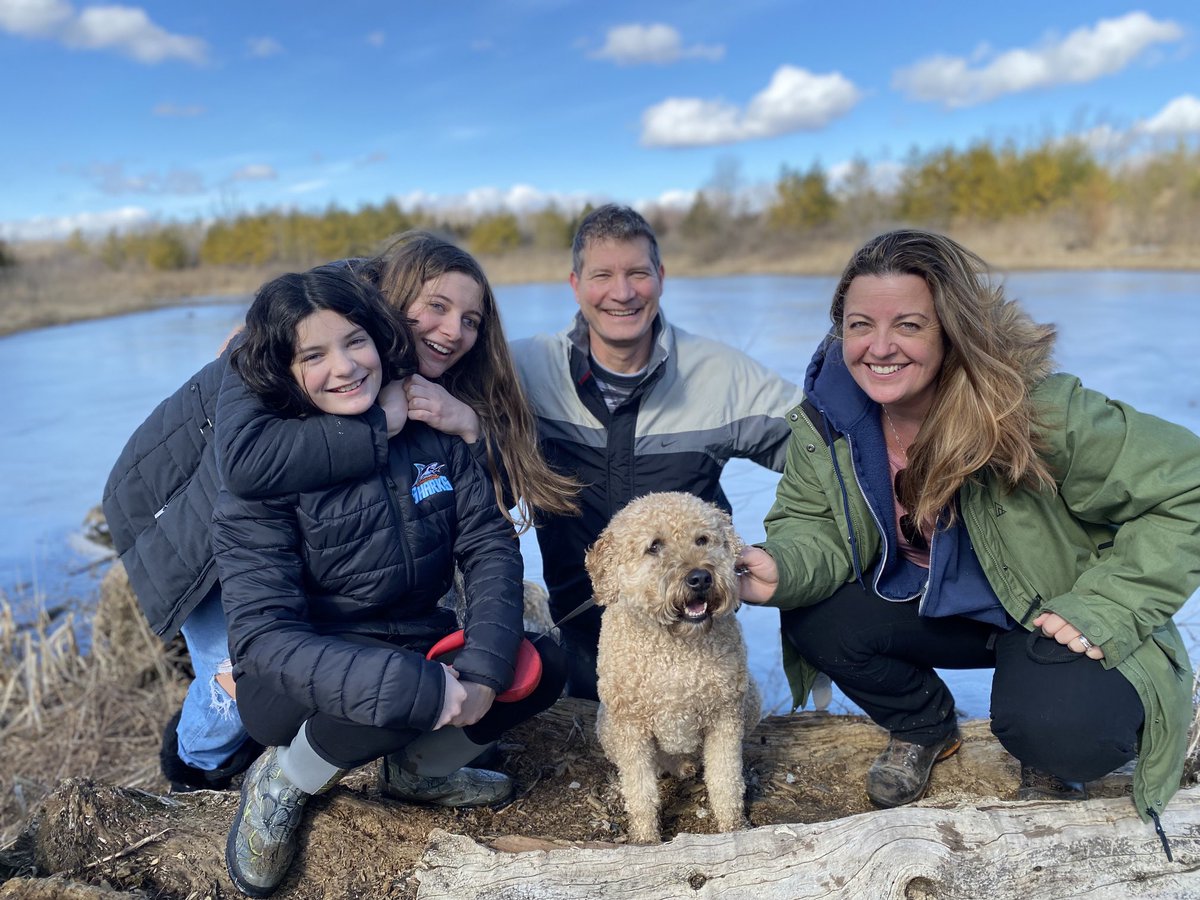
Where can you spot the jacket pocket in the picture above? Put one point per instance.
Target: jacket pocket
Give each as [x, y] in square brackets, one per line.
[1048, 651]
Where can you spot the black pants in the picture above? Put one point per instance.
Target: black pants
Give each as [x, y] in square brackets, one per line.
[273, 718]
[581, 641]
[1051, 708]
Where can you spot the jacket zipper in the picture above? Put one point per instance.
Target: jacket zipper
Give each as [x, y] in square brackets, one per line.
[397, 520]
[878, 524]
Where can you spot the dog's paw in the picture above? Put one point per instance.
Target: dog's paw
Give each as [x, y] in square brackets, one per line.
[736, 823]
[644, 833]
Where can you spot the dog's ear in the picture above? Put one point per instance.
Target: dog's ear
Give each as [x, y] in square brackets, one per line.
[727, 533]
[735, 544]
[602, 569]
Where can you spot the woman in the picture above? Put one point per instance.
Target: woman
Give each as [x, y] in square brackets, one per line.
[949, 503]
[331, 595]
[160, 495]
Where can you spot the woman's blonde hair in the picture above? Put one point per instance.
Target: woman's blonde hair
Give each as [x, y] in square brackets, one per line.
[485, 378]
[982, 414]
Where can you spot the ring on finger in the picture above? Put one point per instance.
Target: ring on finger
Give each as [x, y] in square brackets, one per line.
[1084, 644]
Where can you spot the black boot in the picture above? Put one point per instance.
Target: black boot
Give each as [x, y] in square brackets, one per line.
[184, 778]
[1038, 784]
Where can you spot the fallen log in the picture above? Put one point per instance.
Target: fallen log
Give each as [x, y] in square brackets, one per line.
[815, 831]
[1033, 851]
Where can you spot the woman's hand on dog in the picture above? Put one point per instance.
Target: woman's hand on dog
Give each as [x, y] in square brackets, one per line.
[758, 576]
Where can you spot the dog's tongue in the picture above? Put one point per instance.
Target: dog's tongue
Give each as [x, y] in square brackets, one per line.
[697, 608]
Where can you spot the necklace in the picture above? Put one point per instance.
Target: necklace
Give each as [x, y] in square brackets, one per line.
[895, 433]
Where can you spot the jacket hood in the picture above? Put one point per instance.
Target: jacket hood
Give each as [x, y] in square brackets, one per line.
[955, 583]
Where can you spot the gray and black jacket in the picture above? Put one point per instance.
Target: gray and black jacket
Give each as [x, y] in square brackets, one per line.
[701, 404]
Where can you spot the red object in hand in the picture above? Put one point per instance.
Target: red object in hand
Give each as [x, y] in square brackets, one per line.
[528, 669]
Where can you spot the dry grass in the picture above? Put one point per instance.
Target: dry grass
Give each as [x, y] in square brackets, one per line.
[63, 714]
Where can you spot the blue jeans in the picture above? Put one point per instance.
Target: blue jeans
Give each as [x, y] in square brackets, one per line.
[210, 729]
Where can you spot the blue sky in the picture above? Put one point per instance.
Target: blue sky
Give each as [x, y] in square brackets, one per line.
[121, 115]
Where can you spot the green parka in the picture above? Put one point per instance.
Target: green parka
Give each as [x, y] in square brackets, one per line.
[1115, 551]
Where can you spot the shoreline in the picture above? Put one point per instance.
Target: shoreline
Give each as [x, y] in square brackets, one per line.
[45, 293]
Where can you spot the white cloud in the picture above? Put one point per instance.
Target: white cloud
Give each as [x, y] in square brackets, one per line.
[795, 100]
[255, 172]
[883, 176]
[174, 110]
[263, 47]
[56, 227]
[1180, 116]
[35, 18]
[676, 199]
[124, 29]
[631, 45]
[519, 199]
[376, 39]
[1084, 55]
[112, 179]
[307, 187]
[1102, 140]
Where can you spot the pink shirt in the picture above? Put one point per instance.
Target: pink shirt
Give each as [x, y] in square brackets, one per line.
[920, 557]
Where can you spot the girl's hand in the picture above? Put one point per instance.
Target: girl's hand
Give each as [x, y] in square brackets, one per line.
[758, 576]
[394, 401]
[479, 700]
[432, 404]
[1055, 626]
[455, 697]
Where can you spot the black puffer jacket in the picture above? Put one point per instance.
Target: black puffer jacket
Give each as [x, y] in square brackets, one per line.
[159, 497]
[372, 556]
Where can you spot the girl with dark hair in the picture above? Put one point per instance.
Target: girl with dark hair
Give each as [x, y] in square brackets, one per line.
[950, 502]
[159, 497]
[331, 594]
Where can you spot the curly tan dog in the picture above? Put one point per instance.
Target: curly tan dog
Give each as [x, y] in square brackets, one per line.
[672, 675]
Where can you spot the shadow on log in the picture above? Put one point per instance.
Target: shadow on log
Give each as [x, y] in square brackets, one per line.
[815, 833]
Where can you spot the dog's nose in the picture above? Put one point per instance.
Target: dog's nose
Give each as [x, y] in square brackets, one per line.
[699, 580]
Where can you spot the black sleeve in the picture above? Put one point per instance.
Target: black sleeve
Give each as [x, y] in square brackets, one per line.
[263, 454]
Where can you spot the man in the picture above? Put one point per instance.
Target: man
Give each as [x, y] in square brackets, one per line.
[629, 404]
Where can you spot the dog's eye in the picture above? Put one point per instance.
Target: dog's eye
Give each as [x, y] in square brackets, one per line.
[654, 547]
[702, 540]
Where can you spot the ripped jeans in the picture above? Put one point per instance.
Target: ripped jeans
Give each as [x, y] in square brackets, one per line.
[210, 729]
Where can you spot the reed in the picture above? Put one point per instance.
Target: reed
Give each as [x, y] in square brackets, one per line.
[66, 714]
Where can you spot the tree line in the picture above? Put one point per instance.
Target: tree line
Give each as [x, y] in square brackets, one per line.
[1153, 200]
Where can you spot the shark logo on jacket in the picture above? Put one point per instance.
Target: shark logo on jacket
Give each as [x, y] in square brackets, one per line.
[429, 481]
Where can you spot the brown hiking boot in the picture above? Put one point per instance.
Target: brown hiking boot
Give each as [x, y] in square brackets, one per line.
[900, 774]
